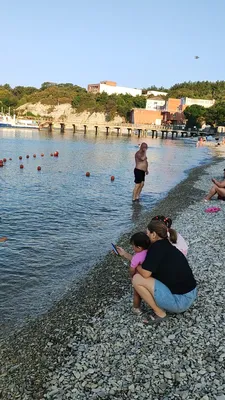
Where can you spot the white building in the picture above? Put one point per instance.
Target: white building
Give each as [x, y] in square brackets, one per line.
[156, 93]
[111, 87]
[155, 104]
[186, 101]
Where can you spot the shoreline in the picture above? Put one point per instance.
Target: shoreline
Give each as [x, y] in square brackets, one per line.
[32, 352]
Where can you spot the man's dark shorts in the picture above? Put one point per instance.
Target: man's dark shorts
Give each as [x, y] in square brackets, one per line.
[139, 175]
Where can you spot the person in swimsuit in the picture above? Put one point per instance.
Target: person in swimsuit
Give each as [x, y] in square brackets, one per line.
[217, 188]
[140, 170]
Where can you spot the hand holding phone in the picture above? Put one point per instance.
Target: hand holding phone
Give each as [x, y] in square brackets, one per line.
[115, 249]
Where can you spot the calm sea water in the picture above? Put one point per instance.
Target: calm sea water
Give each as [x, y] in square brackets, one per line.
[58, 221]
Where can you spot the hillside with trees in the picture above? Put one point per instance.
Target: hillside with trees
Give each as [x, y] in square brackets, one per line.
[53, 94]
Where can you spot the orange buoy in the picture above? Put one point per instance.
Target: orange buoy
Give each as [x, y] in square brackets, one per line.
[39, 168]
[4, 160]
[56, 154]
[21, 166]
[34, 155]
[112, 178]
[27, 156]
[42, 154]
[51, 154]
[20, 157]
[88, 174]
[10, 159]
[1, 163]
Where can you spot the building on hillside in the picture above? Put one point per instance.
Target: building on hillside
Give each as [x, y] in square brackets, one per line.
[172, 105]
[111, 87]
[142, 116]
[155, 93]
[186, 101]
[155, 104]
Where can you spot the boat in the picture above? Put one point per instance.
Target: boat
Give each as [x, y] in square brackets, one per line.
[6, 121]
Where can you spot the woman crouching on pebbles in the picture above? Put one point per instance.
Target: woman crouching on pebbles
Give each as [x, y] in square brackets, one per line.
[165, 280]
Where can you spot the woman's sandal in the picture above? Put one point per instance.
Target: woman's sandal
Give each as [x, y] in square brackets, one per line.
[154, 319]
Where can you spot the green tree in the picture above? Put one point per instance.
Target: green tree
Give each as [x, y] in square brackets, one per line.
[195, 115]
[215, 115]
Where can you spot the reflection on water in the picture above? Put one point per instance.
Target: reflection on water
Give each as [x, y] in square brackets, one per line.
[58, 221]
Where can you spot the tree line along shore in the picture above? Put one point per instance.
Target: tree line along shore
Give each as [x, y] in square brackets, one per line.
[53, 94]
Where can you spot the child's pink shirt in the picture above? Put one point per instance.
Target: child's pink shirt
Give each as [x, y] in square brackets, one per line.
[138, 258]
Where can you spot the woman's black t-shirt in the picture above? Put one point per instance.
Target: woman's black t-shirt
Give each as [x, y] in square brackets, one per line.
[169, 266]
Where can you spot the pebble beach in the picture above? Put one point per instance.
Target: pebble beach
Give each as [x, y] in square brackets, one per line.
[91, 346]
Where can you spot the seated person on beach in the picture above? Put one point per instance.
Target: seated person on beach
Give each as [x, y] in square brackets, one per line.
[218, 188]
[165, 280]
[140, 242]
[175, 238]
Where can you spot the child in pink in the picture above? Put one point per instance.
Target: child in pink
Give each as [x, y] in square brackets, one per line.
[140, 242]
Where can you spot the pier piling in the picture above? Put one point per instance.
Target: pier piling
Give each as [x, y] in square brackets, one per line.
[62, 127]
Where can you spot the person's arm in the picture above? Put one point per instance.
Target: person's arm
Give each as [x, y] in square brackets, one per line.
[123, 253]
[132, 271]
[151, 262]
[143, 272]
[218, 183]
[140, 157]
[146, 168]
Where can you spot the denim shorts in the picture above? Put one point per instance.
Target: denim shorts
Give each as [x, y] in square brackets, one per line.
[174, 303]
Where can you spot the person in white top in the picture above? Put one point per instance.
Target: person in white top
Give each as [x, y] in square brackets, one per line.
[175, 238]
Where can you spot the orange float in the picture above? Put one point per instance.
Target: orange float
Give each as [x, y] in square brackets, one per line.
[1, 163]
[27, 156]
[39, 168]
[42, 154]
[34, 155]
[4, 160]
[88, 174]
[51, 154]
[112, 178]
[20, 157]
[10, 159]
[21, 166]
[56, 154]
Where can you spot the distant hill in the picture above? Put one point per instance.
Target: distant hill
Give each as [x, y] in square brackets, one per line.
[53, 94]
[196, 90]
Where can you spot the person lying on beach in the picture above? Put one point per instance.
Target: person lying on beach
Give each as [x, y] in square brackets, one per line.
[175, 238]
[140, 242]
[3, 239]
[217, 188]
[165, 280]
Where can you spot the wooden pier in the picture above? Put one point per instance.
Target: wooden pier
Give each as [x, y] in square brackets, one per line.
[120, 130]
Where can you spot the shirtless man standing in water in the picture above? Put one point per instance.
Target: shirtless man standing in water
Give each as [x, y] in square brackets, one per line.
[140, 170]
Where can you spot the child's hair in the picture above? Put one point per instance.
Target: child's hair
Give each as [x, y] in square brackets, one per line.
[140, 239]
[162, 229]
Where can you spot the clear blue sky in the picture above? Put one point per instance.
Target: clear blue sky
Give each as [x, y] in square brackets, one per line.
[135, 43]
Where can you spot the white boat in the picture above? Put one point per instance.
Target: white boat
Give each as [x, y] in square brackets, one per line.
[6, 121]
